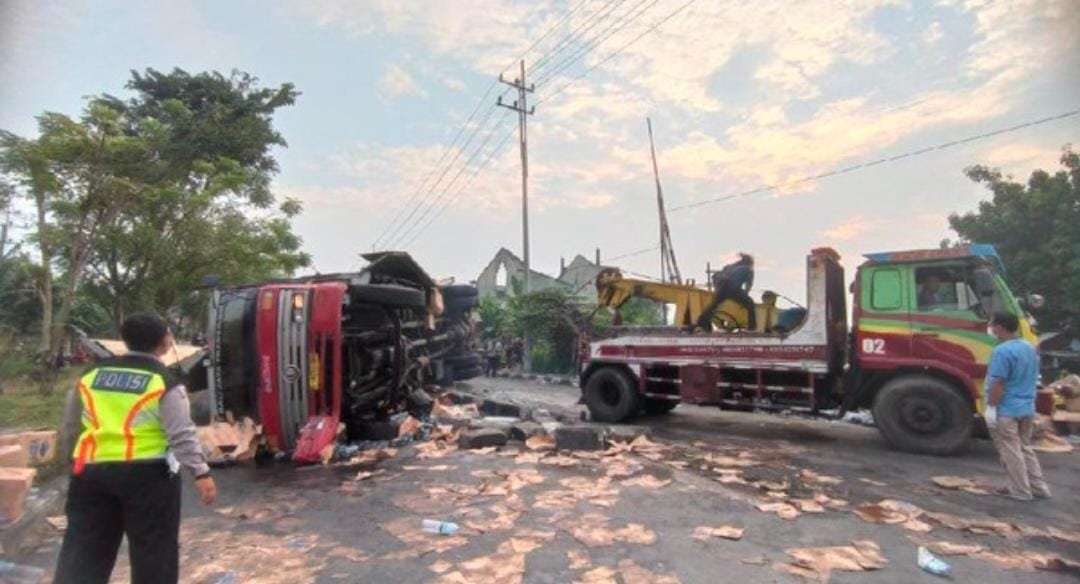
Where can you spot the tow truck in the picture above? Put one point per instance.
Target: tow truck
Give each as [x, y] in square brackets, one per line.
[915, 355]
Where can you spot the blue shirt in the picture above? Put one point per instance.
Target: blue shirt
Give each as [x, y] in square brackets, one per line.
[1017, 364]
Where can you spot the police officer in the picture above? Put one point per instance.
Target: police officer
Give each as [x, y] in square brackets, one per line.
[136, 433]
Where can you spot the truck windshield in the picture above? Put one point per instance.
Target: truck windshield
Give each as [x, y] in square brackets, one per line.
[958, 289]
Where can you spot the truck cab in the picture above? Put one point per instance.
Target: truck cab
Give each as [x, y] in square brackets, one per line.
[920, 343]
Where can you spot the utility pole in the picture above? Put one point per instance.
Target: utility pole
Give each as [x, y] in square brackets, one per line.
[520, 106]
[669, 268]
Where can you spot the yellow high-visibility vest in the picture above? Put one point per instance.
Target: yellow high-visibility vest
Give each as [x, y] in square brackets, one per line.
[121, 420]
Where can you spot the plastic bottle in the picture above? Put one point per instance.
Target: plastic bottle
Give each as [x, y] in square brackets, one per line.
[439, 527]
[933, 564]
[19, 574]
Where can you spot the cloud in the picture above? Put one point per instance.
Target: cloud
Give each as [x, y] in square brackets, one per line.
[849, 229]
[933, 33]
[396, 82]
[1021, 157]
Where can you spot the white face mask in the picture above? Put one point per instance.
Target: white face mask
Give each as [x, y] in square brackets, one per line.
[990, 331]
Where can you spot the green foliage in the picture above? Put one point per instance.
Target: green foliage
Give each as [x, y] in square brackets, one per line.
[23, 406]
[495, 316]
[142, 198]
[1036, 230]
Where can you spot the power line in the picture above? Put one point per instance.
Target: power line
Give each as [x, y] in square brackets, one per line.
[880, 161]
[445, 189]
[483, 165]
[577, 31]
[612, 29]
[457, 154]
[854, 167]
[618, 51]
[416, 197]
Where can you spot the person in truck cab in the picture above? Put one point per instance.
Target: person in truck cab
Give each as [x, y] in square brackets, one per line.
[1011, 379]
[136, 434]
[734, 281]
[930, 291]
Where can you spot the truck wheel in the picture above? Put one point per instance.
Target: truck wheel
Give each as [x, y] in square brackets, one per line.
[659, 407]
[459, 298]
[611, 396]
[923, 414]
[388, 295]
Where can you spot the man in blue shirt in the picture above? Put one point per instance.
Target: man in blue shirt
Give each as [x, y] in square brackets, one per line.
[1011, 380]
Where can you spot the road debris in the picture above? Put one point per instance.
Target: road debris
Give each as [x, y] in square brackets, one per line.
[872, 482]
[540, 442]
[591, 529]
[507, 564]
[705, 533]
[960, 483]
[632, 573]
[578, 559]
[784, 511]
[819, 563]
[889, 511]
[598, 575]
[931, 563]
[646, 481]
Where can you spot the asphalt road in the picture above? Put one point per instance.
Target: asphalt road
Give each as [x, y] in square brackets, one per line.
[552, 523]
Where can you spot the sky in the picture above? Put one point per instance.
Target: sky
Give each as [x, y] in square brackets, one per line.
[396, 141]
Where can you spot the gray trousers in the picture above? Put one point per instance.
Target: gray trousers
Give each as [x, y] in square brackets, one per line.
[1012, 438]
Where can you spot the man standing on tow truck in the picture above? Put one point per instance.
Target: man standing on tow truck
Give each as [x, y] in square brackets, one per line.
[136, 434]
[1011, 379]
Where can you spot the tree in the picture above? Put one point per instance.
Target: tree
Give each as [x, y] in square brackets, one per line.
[140, 199]
[211, 210]
[1036, 230]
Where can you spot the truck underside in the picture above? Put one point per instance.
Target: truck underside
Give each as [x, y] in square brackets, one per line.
[302, 355]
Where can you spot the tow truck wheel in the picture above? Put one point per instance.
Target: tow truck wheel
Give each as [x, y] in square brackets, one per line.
[611, 396]
[923, 414]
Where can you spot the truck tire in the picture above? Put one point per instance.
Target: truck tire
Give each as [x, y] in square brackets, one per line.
[459, 298]
[658, 407]
[611, 395]
[388, 295]
[923, 414]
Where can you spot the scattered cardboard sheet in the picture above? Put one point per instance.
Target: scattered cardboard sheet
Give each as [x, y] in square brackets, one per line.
[705, 533]
[783, 510]
[632, 573]
[646, 481]
[819, 563]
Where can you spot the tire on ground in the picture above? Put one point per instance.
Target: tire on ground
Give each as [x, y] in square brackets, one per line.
[611, 395]
[923, 414]
[388, 295]
[658, 407]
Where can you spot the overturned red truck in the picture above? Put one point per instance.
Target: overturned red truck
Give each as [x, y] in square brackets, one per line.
[303, 355]
[916, 354]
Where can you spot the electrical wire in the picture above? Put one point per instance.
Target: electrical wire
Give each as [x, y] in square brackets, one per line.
[879, 161]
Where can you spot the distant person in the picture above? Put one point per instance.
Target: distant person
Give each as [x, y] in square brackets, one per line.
[929, 292]
[494, 356]
[733, 282]
[1011, 379]
[136, 434]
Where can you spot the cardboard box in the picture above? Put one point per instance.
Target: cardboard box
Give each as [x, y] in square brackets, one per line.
[40, 444]
[14, 455]
[14, 485]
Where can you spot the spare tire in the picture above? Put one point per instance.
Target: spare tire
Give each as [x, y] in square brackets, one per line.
[388, 295]
[459, 291]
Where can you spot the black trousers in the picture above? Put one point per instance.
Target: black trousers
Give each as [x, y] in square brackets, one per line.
[109, 500]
